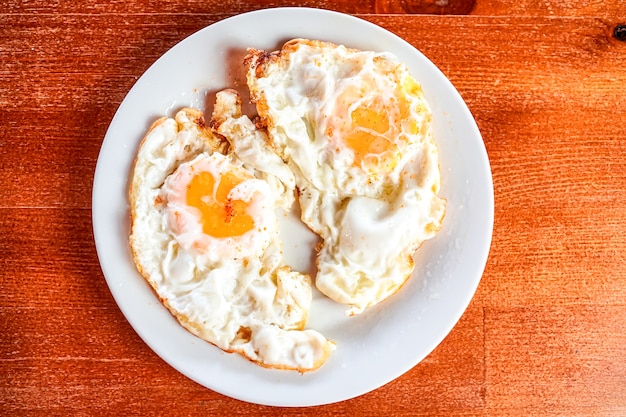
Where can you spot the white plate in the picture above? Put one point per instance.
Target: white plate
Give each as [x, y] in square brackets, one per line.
[373, 348]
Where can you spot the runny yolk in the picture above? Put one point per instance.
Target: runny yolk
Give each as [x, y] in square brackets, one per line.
[369, 134]
[221, 216]
[377, 130]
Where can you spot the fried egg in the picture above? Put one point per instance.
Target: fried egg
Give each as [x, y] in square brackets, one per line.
[204, 234]
[356, 130]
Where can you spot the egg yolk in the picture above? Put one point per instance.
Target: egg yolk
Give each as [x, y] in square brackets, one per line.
[368, 134]
[376, 129]
[221, 216]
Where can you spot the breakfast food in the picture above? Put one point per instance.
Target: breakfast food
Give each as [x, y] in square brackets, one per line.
[355, 129]
[351, 132]
[204, 234]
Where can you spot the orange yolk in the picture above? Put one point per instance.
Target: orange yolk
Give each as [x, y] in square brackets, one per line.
[221, 216]
[377, 130]
[368, 136]
[374, 138]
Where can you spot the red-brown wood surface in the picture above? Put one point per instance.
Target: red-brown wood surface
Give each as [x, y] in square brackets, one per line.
[546, 331]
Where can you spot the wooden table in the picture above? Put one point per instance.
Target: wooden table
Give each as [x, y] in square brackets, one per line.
[546, 331]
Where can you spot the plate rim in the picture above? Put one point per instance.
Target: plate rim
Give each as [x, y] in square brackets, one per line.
[489, 216]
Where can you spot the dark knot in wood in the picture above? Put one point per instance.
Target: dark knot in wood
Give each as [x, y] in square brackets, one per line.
[620, 32]
[442, 7]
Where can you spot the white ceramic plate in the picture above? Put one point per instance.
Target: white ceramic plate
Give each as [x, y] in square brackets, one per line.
[373, 348]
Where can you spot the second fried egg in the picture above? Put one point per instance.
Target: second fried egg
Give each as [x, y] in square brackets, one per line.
[355, 128]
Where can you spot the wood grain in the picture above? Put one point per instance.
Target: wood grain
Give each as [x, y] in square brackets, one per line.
[581, 369]
[541, 8]
[545, 333]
